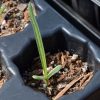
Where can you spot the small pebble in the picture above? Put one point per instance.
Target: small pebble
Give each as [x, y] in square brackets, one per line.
[52, 62]
[84, 70]
[59, 72]
[26, 25]
[3, 22]
[21, 28]
[74, 57]
[85, 67]
[44, 85]
[2, 27]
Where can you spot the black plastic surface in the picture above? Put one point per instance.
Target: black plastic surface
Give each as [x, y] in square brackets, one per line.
[57, 33]
[97, 2]
[67, 12]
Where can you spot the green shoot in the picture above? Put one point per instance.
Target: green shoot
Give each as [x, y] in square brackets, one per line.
[38, 77]
[2, 8]
[54, 71]
[39, 42]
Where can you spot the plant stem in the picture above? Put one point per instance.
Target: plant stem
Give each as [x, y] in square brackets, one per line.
[39, 42]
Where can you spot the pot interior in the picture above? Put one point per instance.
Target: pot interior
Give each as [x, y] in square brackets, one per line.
[59, 40]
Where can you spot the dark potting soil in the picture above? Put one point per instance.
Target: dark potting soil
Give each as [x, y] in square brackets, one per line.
[74, 75]
[14, 16]
[3, 75]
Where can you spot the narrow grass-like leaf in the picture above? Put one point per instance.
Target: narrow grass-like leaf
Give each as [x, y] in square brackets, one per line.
[38, 40]
[54, 71]
[41, 51]
[38, 77]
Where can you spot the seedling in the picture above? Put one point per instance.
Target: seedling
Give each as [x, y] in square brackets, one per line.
[46, 75]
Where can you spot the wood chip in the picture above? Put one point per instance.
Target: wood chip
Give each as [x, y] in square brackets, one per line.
[67, 87]
[62, 59]
[26, 16]
[85, 77]
[1, 82]
[87, 81]
[22, 7]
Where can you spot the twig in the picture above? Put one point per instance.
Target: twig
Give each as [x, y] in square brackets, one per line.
[1, 82]
[62, 92]
[58, 57]
[85, 77]
[62, 58]
[86, 82]
[9, 11]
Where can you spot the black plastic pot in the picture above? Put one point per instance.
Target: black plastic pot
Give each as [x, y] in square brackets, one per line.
[58, 34]
[84, 8]
[80, 13]
[61, 39]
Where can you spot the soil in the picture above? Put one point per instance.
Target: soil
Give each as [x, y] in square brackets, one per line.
[14, 16]
[3, 76]
[74, 75]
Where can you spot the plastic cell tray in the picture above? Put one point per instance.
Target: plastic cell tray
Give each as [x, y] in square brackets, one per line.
[58, 34]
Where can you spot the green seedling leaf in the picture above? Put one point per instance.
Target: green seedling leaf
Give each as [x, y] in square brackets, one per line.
[54, 71]
[38, 40]
[2, 8]
[38, 77]
[41, 51]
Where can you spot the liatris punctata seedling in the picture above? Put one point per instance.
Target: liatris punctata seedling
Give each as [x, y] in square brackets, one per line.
[46, 75]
